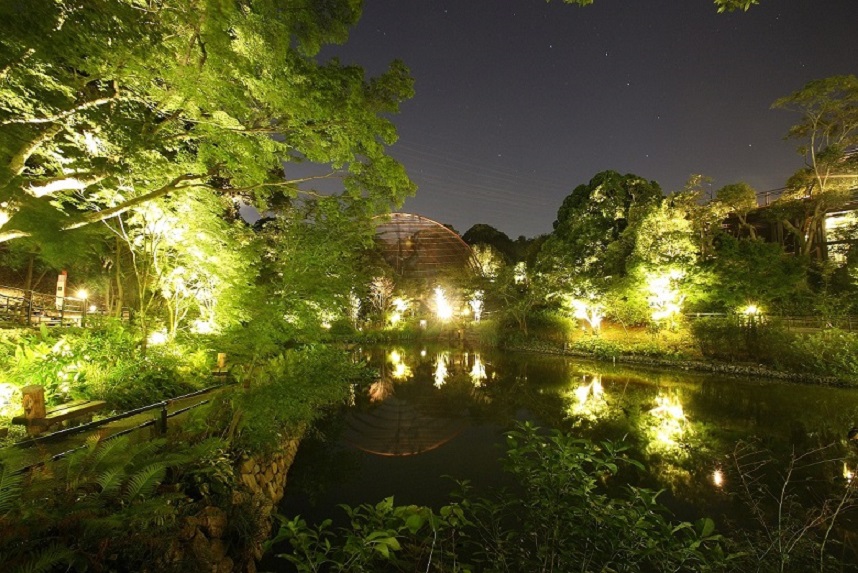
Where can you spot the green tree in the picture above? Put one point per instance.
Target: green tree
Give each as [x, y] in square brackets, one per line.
[315, 256]
[108, 104]
[595, 233]
[739, 199]
[482, 234]
[828, 131]
[757, 272]
[589, 235]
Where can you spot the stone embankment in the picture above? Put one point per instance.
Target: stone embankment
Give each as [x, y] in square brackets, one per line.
[713, 366]
[206, 538]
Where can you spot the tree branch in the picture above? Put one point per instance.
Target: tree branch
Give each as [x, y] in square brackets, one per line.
[96, 216]
[19, 161]
[289, 183]
[65, 114]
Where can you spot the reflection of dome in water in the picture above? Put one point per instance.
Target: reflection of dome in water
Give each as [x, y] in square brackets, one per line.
[417, 247]
[395, 428]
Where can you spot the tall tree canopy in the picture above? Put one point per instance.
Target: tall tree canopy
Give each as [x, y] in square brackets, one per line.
[588, 236]
[109, 104]
[828, 132]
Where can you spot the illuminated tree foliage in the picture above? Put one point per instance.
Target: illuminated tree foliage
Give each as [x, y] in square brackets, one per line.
[739, 199]
[829, 135]
[106, 105]
[315, 257]
[594, 233]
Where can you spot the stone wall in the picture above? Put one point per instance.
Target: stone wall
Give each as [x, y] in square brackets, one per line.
[261, 485]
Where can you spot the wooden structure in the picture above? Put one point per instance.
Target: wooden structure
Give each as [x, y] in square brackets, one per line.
[38, 418]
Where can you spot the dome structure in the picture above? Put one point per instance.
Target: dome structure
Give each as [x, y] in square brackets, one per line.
[420, 248]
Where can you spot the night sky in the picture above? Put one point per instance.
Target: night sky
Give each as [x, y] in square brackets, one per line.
[519, 101]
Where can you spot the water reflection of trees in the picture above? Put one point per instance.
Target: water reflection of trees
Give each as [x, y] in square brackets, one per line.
[683, 426]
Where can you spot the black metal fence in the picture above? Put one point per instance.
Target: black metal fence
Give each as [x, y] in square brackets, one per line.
[157, 422]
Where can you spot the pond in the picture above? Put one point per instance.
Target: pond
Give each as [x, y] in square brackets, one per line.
[438, 414]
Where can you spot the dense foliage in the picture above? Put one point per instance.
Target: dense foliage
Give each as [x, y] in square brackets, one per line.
[566, 513]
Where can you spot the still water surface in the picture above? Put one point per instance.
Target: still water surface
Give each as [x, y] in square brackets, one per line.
[434, 414]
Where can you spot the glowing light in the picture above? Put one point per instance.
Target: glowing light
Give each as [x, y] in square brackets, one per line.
[441, 371]
[751, 310]
[354, 308]
[67, 184]
[401, 371]
[848, 474]
[157, 338]
[671, 419]
[443, 308]
[718, 478]
[589, 399]
[478, 371]
[664, 299]
[520, 273]
[92, 308]
[589, 311]
[400, 306]
[423, 323]
[202, 327]
[82, 294]
[423, 353]
[380, 390]
[476, 304]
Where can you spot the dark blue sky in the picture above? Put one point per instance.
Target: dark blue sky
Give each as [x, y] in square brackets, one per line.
[519, 101]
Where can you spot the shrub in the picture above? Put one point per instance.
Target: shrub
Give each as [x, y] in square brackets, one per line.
[830, 352]
[598, 347]
[289, 391]
[734, 339]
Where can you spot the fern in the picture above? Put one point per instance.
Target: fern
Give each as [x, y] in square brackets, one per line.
[145, 450]
[104, 454]
[78, 463]
[45, 559]
[10, 489]
[143, 483]
[110, 480]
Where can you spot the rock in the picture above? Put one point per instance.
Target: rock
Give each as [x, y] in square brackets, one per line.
[213, 522]
[249, 481]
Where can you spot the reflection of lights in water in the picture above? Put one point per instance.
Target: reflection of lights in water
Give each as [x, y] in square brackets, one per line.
[718, 478]
[380, 390]
[671, 419]
[400, 369]
[478, 371]
[441, 369]
[589, 399]
[848, 474]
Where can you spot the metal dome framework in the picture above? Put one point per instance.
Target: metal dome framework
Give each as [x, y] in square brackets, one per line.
[420, 248]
